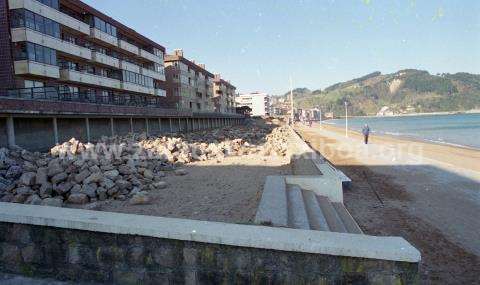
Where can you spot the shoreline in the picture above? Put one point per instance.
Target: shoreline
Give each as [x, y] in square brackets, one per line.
[460, 156]
[401, 136]
[410, 138]
[473, 111]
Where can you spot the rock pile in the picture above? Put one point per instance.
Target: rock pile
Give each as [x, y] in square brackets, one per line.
[125, 167]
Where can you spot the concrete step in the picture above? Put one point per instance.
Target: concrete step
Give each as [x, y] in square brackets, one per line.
[347, 219]
[288, 205]
[334, 221]
[315, 215]
[273, 204]
[297, 214]
[329, 170]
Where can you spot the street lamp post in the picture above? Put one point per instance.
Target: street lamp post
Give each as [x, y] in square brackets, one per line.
[346, 119]
[292, 115]
[320, 110]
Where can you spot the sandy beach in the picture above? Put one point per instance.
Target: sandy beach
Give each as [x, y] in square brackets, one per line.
[427, 193]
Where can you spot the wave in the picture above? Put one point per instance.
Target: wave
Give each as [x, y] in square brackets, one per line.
[436, 141]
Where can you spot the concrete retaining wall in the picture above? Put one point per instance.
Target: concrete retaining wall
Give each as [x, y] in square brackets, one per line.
[99, 127]
[34, 134]
[121, 126]
[3, 132]
[165, 125]
[153, 127]
[139, 126]
[71, 128]
[38, 133]
[82, 245]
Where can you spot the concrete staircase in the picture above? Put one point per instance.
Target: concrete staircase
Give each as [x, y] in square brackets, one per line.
[293, 207]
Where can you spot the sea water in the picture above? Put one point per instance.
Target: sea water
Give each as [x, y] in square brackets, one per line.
[455, 129]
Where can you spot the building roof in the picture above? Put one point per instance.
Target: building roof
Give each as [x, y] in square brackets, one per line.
[80, 6]
[191, 64]
[224, 82]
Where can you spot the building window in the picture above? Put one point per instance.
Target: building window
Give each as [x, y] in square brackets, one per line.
[21, 18]
[33, 84]
[159, 68]
[136, 78]
[68, 65]
[34, 52]
[158, 52]
[103, 26]
[50, 3]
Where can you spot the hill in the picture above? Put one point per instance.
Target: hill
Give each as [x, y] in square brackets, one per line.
[405, 91]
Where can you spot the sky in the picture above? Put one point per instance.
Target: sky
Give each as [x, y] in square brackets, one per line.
[260, 45]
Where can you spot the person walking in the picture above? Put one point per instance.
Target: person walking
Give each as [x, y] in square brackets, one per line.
[366, 133]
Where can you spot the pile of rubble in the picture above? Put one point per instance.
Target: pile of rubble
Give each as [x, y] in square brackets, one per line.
[123, 168]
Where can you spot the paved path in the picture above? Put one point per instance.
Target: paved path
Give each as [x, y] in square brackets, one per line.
[444, 192]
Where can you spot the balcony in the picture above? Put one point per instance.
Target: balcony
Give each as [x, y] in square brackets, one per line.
[104, 37]
[161, 92]
[125, 65]
[48, 12]
[153, 74]
[150, 56]
[128, 47]
[36, 68]
[105, 59]
[90, 79]
[137, 88]
[27, 35]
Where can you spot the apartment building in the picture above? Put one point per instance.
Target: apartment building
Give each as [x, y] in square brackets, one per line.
[67, 48]
[223, 95]
[258, 102]
[190, 85]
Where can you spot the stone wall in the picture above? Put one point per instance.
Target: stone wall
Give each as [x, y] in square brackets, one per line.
[77, 255]
[81, 245]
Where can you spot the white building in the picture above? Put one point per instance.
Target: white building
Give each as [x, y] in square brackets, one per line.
[258, 102]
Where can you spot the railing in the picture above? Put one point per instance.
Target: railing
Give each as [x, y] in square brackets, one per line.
[55, 94]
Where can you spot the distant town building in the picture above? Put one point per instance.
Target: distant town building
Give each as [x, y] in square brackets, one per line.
[189, 84]
[223, 95]
[260, 103]
[329, 115]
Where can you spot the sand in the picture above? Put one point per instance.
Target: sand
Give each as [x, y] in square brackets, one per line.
[429, 195]
[222, 191]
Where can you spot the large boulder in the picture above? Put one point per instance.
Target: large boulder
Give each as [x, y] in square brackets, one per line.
[46, 190]
[181, 172]
[80, 177]
[52, 202]
[27, 178]
[54, 169]
[112, 174]
[24, 190]
[139, 199]
[78, 198]
[89, 190]
[60, 177]
[94, 178]
[42, 176]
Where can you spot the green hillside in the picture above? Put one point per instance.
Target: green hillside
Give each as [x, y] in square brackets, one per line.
[405, 91]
